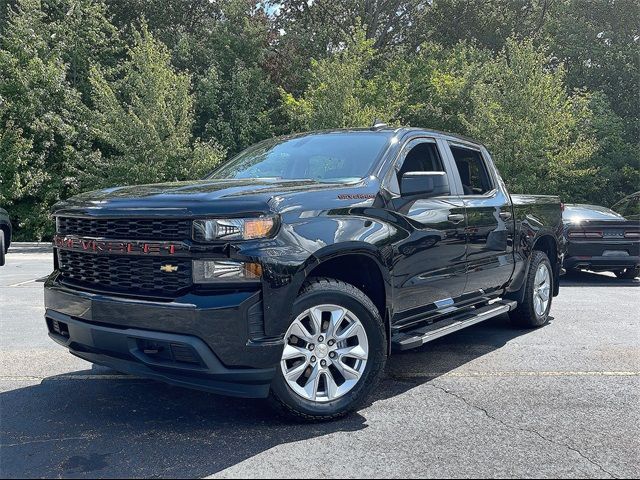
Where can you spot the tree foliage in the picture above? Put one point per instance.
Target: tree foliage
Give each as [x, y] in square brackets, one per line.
[343, 92]
[143, 119]
[525, 116]
[97, 93]
[43, 138]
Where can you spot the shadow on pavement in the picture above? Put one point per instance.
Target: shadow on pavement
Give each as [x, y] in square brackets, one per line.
[582, 278]
[137, 428]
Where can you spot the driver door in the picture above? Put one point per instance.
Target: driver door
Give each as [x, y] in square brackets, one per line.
[429, 271]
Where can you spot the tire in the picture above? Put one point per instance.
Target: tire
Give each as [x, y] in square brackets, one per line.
[2, 248]
[362, 326]
[529, 313]
[628, 273]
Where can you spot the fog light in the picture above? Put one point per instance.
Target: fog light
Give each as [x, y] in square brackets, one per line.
[221, 271]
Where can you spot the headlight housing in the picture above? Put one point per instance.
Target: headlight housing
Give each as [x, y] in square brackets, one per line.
[211, 230]
[225, 271]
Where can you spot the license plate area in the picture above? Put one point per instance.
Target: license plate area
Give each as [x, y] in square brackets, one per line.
[615, 253]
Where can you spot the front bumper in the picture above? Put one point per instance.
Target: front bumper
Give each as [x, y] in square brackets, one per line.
[208, 342]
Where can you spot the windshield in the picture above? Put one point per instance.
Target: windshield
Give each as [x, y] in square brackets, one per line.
[322, 156]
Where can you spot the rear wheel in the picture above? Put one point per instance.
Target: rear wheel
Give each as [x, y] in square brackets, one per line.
[2, 247]
[334, 354]
[628, 273]
[534, 309]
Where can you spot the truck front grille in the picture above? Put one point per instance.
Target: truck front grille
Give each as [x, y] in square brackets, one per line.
[125, 274]
[125, 228]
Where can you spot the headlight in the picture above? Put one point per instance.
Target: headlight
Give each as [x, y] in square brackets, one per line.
[233, 228]
[214, 271]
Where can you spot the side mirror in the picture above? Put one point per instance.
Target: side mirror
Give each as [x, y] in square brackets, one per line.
[430, 184]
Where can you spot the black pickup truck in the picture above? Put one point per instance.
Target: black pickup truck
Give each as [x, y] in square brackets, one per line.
[296, 268]
[5, 235]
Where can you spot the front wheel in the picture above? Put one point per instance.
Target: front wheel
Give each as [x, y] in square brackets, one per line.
[534, 309]
[628, 273]
[334, 354]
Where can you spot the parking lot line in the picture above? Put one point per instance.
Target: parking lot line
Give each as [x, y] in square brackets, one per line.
[65, 377]
[518, 374]
[22, 283]
[69, 377]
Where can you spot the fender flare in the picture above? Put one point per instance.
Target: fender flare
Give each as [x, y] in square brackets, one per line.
[518, 295]
[344, 249]
[331, 252]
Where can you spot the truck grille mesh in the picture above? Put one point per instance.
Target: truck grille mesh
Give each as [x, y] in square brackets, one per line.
[124, 274]
[125, 228]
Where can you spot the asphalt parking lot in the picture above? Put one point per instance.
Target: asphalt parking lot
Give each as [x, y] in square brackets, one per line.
[489, 401]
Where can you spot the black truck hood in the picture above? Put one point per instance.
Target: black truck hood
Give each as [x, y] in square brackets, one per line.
[193, 198]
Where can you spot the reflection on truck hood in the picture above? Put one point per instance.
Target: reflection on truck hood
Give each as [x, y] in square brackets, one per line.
[204, 197]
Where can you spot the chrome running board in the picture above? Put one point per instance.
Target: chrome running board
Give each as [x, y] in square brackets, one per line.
[406, 340]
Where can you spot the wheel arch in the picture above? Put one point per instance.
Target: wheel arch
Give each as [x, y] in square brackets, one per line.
[360, 266]
[548, 244]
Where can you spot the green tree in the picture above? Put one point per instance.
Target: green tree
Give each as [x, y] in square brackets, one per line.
[143, 119]
[598, 42]
[236, 108]
[521, 110]
[342, 92]
[43, 135]
[487, 23]
[328, 24]
[549, 85]
[224, 45]
[616, 158]
[318, 29]
[439, 84]
[81, 32]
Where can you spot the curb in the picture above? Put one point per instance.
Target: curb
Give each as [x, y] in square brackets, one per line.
[31, 244]
[29, 247]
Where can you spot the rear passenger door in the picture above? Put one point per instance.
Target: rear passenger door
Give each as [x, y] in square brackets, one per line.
[490, 223]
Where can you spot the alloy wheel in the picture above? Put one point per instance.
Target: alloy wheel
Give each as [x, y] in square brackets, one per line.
[325, 353]
[541, 289]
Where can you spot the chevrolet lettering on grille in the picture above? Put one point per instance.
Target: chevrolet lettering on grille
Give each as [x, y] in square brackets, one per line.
[119, 247]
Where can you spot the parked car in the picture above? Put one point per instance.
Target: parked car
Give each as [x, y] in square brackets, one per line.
[5, 235]
[600, 239]
[293, 270]
[629, 207]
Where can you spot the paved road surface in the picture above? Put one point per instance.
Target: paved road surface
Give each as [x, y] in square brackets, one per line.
[490, 401]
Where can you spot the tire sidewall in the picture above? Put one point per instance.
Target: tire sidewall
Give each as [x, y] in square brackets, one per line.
[2, 247]
[540, 258]
[628, 273]
[375, 363]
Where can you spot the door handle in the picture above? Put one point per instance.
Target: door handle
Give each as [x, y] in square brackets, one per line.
[505, 215]
[456, 217]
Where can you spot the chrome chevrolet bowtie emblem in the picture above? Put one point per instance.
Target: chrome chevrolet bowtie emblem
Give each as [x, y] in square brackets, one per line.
[169, 268]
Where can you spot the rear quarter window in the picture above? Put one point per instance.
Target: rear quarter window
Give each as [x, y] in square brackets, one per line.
[473, 171]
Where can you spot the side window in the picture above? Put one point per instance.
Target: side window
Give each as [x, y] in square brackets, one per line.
[423, 157]
[473, 171]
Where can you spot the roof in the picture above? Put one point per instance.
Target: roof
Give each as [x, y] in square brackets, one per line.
[398, 131]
